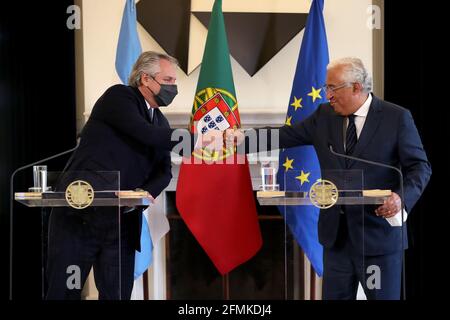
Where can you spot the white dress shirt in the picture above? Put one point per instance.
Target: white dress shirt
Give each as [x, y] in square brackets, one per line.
[360, 118]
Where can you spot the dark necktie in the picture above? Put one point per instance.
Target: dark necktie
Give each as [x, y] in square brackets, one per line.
[350, 136]
[350, 142]
[154, 117]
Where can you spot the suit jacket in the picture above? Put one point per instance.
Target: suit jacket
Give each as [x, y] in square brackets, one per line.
[389, 136]
[120, 137]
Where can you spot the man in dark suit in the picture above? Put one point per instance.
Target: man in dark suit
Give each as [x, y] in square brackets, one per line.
[126, 133]
[357, 123]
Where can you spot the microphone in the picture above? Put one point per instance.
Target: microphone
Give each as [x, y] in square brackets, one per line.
[402, 204]
[368, 162]
[12, 204]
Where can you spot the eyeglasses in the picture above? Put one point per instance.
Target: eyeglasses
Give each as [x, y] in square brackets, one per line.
[331, 89]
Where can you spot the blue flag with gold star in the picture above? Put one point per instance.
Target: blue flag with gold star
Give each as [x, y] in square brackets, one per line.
[299, 167]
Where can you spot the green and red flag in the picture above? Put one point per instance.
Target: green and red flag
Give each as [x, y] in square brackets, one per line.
[215, 198]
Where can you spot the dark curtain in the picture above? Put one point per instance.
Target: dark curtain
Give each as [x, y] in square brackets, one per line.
[37, 119]
[411, 63]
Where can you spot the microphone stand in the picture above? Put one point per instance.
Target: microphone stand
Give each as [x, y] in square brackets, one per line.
[12, 204]
[379, 164]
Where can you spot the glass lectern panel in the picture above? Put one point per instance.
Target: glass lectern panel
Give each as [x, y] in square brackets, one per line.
[80, 229]
[325, 216]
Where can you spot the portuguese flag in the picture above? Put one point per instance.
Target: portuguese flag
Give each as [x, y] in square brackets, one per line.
[216, 200]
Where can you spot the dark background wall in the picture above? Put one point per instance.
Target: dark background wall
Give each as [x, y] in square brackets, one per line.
[406, 74]
[411, 61]
[37, 119]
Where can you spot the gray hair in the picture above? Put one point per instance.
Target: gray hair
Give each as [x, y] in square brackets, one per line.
[148, 62]
[354, 71]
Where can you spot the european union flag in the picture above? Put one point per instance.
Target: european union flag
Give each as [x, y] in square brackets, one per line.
[128, 47]
[299, 166]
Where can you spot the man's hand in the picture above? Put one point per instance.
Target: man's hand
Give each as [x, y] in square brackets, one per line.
[150, 198]
[234, 136]
[211, 140]
[391, 206]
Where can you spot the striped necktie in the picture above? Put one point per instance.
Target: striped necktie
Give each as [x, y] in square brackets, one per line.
[350, 136]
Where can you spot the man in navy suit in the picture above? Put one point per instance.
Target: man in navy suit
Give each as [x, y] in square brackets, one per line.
[357, 123]
[127, 133]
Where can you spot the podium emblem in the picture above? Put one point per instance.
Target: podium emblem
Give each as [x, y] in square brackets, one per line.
[323, 194]
[79, 194]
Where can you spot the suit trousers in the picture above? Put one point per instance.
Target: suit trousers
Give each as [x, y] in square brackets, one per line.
[82, 239]
[345, 267]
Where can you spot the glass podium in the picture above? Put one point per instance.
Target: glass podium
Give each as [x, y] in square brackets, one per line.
[81, 228]
[337, 207]
[79, 209]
